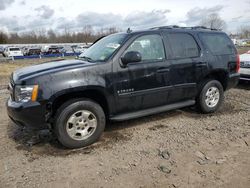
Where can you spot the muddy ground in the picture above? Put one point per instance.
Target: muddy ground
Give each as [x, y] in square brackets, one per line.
[180, 148]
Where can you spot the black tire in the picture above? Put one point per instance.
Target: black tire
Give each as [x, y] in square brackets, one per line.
[67, 110]
[201, 99]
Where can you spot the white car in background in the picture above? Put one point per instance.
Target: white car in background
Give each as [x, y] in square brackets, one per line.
[245, 66]
[13, 52]
[80, 49]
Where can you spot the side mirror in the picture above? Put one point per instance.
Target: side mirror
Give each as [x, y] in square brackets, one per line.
[131, 57]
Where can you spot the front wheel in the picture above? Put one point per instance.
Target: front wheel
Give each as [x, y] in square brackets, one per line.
[211, 96]
[79, 123]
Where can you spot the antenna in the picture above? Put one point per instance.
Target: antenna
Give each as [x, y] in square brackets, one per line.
[129, 30]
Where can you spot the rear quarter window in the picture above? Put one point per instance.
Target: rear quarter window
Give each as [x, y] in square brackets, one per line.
[218, 44]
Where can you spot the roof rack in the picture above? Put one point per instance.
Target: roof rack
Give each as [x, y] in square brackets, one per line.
[179, 27]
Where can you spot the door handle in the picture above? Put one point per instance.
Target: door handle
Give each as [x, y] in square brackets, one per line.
[201, 64]
[162, 70]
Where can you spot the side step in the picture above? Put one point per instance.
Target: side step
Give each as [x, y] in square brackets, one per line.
[150, 111]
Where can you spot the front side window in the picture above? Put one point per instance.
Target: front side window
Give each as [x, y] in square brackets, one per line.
[149, 46]
[183, 45]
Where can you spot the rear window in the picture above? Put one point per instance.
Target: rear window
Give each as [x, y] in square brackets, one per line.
[183, 45]
[218, 44]
[14, 49]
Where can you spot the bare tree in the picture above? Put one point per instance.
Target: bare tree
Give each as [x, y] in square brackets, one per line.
[213, 21]
[244, 32]
[51, 35]
[88, 34]
[3, 38]
[14, 38]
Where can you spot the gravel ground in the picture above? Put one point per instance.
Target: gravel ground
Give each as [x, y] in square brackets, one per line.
[180, 148]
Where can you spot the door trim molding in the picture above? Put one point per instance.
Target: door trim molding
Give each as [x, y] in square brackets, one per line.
[145, 91]
[158, 89]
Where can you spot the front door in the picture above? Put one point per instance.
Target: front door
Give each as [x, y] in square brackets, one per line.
[142, 84]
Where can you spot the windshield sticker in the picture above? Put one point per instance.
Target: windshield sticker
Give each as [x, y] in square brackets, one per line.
[113, 45]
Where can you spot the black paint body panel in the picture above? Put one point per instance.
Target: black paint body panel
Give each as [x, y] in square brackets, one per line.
[138, 86]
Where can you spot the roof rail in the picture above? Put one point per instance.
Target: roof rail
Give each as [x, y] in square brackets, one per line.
[165, 27]
[203, 27]
[179, 27]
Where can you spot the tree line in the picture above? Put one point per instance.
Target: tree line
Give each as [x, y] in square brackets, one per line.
[244, 32]
[86, 35]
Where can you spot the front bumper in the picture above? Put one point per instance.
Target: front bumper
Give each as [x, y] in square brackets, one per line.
[245, 74]
[30, 114]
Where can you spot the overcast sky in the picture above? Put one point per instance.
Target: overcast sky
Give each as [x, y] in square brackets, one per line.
[25, 15]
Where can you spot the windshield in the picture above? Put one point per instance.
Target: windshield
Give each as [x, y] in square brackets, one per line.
[103, 49]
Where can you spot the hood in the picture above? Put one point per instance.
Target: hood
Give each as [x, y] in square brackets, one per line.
[45, 68]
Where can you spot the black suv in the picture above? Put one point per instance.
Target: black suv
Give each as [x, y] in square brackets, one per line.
[125, 76]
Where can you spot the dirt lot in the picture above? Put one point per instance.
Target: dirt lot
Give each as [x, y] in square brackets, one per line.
[181, 148]
[242, 50]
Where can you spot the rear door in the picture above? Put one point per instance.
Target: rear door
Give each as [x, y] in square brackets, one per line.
[186, 65]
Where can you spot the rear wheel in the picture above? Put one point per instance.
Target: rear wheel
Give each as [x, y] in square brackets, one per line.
[211, 96]
[79, 123]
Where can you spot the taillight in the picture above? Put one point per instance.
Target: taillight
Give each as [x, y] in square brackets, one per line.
[238, 63]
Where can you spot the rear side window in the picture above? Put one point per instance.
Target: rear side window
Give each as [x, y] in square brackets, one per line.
[218, 44]
[183, 45]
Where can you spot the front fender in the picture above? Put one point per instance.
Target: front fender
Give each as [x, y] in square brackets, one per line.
[54, 84]
[79, 90]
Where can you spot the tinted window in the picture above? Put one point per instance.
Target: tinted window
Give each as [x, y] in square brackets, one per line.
[218, 44]
[14, 49]
[149, 46]
[183, 45]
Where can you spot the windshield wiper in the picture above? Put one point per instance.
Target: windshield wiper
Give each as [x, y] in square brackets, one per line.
[89, 59]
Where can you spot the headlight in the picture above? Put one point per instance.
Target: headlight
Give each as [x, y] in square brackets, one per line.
[26, 93]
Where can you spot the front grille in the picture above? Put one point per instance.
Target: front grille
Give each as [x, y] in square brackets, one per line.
[245, 64]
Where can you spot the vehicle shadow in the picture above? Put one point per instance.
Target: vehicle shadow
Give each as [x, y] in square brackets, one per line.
[243, 85]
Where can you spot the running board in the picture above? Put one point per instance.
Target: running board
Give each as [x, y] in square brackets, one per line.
[152, 111]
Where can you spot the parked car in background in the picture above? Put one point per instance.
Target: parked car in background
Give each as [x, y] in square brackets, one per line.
[32, 51]
[13, 52]
[51, 50]
[1, 50]
[24, 49]
[80, 49]
[61, 49]
[245, 66]
[67, 49]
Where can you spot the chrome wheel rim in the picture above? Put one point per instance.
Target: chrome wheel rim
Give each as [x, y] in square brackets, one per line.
[81, 125]
[212, 97]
